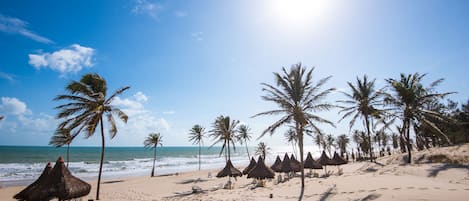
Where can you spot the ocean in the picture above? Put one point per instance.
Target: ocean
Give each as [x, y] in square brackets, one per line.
[20, 165]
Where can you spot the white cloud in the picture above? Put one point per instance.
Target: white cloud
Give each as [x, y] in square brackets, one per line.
[71, 59]
[139, 96]
[6, 76]
[13, 106]
[198, 35]
[180, 14]
[17, 26]
[169, 112]
[147, 8]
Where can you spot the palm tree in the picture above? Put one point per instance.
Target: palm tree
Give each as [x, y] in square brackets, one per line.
[362, 102]
[224, 131]
[329, 143]
[319, 140]
[342, 141]
[291, 137]
[152, 141]
[196, 136]
[298, 100]
[85, 110]
[262, 150]
[62, 137]
[244, 135]
[408, 102]
[1, 117]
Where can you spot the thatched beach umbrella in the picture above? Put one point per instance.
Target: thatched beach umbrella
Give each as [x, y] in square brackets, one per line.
[310, 163]
[295, 164]
[324, 160]
[63, 185]
[337, 160]
[251, 165]
[261, 171]
[36, 190]
[286, 164]
[229, 170]
[277, 166]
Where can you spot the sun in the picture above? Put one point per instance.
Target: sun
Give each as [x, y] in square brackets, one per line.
[297, 12]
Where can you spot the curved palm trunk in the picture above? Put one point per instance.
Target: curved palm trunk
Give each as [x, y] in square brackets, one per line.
[102, 158]
[199, 156]
[407, 136]
[299, 131]
[247, 150]
[68, 153]
[154, 160]
[367, 122]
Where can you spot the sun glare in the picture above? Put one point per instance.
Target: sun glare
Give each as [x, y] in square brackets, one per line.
[297, 12]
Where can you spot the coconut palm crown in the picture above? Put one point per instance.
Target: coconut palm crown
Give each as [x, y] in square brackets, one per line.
[152, 141]
[196, 135]
[224, 131]
[244, 136]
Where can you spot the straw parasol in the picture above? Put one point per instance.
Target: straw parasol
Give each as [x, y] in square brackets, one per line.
[63, 185]
[325, 160]
[251, 165]
[310, 163]
[295, 164]
[261, 171]
[337, 160]
[277, 165]
[229, 170]
[33, 191]
[286, 164]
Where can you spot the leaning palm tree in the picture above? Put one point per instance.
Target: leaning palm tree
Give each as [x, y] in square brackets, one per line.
[291, 138]
[196, 136]
[363, 103]
[262, 150]
[342, 142]
[408, 100]
[60, 138]
[244, 135]
[152, 141]
[298, 100]
[224, 131]
[329, 140]
[87, 104]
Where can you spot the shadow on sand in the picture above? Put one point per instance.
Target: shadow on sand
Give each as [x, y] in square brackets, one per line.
[369, 197]
[433, 172]
[327, 194]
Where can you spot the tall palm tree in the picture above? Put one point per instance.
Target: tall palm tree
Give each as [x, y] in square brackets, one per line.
[408, 100]
[291, 137]
[244, 135]
[262, 150]
[87, 104]
[319, 140]
[196, 136]
[224, 131]
[342, 142]
[60, 138]
[298, 100]
[152, 141]
[363, 103]
[329, 143]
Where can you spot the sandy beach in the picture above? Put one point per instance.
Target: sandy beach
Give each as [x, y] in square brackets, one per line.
[387, 179]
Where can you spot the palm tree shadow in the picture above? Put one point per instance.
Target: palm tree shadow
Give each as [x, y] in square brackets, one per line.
[327, 194]
[372, 196]
[433, 172]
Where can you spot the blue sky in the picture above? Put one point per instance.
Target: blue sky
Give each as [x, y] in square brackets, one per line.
[188, 62]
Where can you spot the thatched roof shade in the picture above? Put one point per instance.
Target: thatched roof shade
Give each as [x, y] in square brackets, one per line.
[310, 163]
[295, 164]
[251, 165]
[324, 159]
[229, 170]
[337, 160]
[261, 171]
[286, 165]
[64, 185]
[35, 191]
[277, 166]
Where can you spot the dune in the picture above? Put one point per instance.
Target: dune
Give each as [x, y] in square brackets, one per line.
[435, 174]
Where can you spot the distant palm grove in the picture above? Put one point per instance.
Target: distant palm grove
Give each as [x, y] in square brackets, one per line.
[407, 114]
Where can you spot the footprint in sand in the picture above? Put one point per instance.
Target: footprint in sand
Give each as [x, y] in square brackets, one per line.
[397, 188]
[372, 190]
[384, 188]
[451, 189]
[423, 188]
[436, 187]
[410, 187]
[361, 191]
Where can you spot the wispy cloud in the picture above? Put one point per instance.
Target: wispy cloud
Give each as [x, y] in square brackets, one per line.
[198, 35]
[71, 59]
[169, 112]
[6, 76]
[16, 26]
[180, 14]
[144, 7]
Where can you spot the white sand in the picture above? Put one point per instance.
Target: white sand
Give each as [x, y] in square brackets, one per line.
[385, 180]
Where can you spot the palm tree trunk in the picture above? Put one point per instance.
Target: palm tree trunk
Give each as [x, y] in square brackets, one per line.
[299, 131]
[247, 150]
[229, 177]
[68, 153]
[367, 122]
[409, 145]
[154, 160]
[199, 156]
[102, 157]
